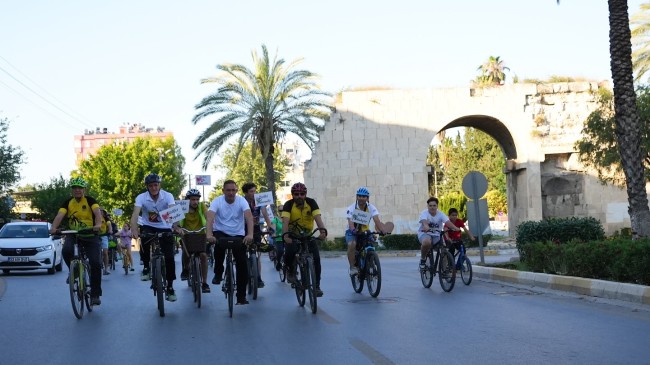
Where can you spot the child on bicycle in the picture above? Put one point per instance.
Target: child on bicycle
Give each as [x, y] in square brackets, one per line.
[455, 236]
[125, 245]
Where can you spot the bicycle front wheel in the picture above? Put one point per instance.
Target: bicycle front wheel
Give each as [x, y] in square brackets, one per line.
[252, 276]
[466, 270]
[76, 284]
[299, 285]
[358, 278]
[159, 285]
[283, 270]
[197, 285]
[373, 274]
[230, 284]
[310, 282]
[446, 271]
[427, 273]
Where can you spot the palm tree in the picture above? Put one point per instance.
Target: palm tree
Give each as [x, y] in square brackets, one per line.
[492, 72]
[628, 122]
[261, 105]
[641, 41]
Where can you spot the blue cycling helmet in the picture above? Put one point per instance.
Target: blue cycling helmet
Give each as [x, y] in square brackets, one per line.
[363, 191]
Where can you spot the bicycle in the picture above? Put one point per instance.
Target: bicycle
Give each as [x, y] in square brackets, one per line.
[277, 259]
[79, 279]
[304, 270]
[463, 263]
[443, 263]
[229, 283]
[126, 261]
[112, 254]
[194, 244]
[367, 260]
[157, 267]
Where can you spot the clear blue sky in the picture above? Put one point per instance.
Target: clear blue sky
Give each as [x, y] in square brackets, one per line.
[102, 64]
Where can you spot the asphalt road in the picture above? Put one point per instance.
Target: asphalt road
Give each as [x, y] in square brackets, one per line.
[486, 322]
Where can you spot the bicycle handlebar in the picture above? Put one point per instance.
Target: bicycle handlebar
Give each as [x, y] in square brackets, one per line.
[72, 231]
[295, 236]
[185, 230]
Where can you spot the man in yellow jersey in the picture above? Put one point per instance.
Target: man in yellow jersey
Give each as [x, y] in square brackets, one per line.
[299, 214]
[82, 212]
[195, 220]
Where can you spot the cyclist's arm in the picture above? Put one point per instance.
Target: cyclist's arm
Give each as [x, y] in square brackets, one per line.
[248, 216]
[265, 214]
[379, 226]
[471, 237]
[285, 229]
[425, 225]
[319, 223]
[209, 223]
[98, 219]
[451, 226]
[135, 233]
[57, 221]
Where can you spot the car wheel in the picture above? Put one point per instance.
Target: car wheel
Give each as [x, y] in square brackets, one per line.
[59, 266]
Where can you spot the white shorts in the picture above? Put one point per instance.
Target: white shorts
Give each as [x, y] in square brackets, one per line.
[104, 242]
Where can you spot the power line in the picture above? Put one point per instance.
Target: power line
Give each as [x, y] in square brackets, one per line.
[43, 98]
[45, 91]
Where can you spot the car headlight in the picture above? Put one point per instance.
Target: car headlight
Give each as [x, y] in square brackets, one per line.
[44, 248]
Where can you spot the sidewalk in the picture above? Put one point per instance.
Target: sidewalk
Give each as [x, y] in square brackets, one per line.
[501, 252]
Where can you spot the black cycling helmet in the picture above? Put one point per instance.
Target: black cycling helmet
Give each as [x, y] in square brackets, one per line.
[152, 178]
[192, 192]
[298, 188]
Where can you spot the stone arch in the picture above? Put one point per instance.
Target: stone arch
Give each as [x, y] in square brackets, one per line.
[379, 139]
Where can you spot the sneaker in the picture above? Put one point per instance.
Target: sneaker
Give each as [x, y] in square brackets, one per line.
[205, 288]
[423, 264]
[260, 283]
[106, 272]
[132, 269]
[291, 278]
[216, 280]
[242, 301]
[184, 275]
[95, 301]
[354, 270]
[278, 266]
[318, 292]
[171, 295]
[145, 276]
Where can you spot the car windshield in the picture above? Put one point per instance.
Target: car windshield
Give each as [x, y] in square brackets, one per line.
[24, 231]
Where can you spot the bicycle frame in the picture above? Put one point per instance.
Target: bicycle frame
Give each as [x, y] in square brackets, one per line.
[195, 244]
[78, 279]
[157, 268]
[230, 284]
[304, 268]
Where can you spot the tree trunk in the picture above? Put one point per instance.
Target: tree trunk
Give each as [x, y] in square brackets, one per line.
[270, 172]
[628, 122]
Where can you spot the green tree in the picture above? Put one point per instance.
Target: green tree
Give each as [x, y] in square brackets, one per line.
[641, 40]
[492, 72]
[116, 173]
[598, 148]
[474, 150]
[261, 105]
[248, 167]
[48, 197]
[10, 160]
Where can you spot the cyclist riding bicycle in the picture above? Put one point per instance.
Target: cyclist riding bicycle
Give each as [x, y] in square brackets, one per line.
[105, 231]
[299, 214]
[455, 236]
[362, 204]
[432, 222]
[82, 212]
[249, 190]
[150, 203]
[194, 220]
[230, 216]
[125, 244]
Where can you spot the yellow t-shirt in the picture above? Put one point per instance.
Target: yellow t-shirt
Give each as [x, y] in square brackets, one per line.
[79, 213]
[301, 219]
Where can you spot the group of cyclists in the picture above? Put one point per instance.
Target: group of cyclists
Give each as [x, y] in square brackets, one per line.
[232, 215]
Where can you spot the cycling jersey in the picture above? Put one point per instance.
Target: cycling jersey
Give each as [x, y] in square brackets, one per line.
[79, 213]
[302, 217]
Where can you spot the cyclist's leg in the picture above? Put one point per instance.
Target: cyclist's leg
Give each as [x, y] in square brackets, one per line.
[239, 254]
[185, 262]
[290, 250]
[168, 247]
[145, 251]
[104, 242]
[67, 251]
[315, 251]
[219, 257]
[258, 239]
[351, 241]
[204, 269]
[425, 242]
[279, 252]
[92, 245]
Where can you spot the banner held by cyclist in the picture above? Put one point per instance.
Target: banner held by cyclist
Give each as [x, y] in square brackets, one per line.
[150, 203]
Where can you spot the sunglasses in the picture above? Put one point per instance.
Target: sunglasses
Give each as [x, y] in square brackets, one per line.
[299, 194]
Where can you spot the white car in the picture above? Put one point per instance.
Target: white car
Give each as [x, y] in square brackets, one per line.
[28, 246]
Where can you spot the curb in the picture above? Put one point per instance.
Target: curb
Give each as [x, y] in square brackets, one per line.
[596, 288]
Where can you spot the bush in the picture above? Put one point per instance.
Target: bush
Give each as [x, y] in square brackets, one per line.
[337, 244]
[401, 242]
[559, 231]
[620, 259]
